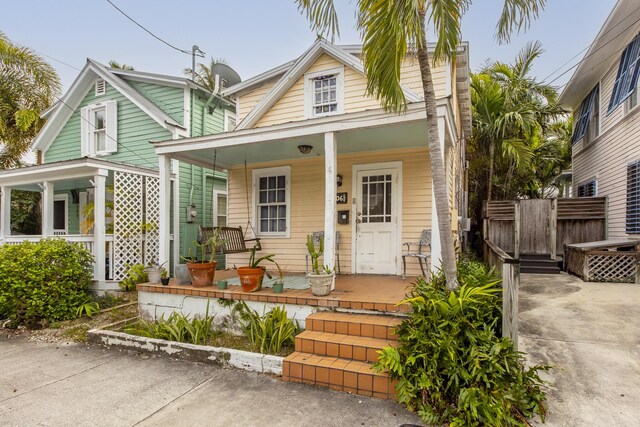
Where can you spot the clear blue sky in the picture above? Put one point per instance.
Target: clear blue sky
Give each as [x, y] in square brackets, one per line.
[255, 35]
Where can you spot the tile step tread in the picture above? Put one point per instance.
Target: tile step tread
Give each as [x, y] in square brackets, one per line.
[369, 319]
[346, 365]
[376, 343]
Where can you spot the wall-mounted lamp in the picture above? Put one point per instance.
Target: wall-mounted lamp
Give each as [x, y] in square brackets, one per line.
[339, 180]
[305, 149]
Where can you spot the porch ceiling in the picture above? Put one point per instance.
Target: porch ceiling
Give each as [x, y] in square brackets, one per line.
[399, 135]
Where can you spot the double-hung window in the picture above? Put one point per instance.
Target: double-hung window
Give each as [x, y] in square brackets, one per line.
[324, 93]
[272, 201]
[99, 129]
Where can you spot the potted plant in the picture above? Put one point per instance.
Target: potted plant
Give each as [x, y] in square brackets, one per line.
[154, 271]
[202, 272]
[319, 281]
[251, 276]
[278, 286]
[164, 277]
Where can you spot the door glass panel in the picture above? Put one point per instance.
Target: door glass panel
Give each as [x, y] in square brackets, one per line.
[376, 198]
[59, 208]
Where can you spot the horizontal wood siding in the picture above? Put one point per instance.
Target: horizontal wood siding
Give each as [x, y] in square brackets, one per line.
[411, 78]
[203, 122]
[249, 100]
[135, 130]
[307, 209]
[169, 99]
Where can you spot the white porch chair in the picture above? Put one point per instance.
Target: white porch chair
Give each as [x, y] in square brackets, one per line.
[425, 241]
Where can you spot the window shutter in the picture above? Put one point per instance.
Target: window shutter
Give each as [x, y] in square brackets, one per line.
[627, 77]
[84, 132]
[111, 140]
[581, 120]
[633, 198]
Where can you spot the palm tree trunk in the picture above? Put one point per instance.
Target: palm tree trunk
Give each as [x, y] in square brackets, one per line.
[492, 154]
[437, 164]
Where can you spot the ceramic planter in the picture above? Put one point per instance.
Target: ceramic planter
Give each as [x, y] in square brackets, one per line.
[182, 275]
[320, 283]
[251, 278]
[202, 274]
[154, 274]
[222, 285]
[278, 288]
[164, 280]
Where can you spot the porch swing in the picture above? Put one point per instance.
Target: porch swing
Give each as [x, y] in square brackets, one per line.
[233, 237]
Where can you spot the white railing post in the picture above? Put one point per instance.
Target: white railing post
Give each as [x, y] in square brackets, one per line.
[47, 209]
[5, 214]
[330, 189]
[165, 208]
[99, 228]
[175, 166]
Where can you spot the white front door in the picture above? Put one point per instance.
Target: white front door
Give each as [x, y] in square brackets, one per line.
[376, 221]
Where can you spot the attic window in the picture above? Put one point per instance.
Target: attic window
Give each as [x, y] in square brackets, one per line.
[324, 93]
[101, 87]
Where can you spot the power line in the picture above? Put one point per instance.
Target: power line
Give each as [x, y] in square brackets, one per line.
[188, 52]
[57, 60]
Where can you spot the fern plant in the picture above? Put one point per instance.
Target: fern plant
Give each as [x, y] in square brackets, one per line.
[452, 365]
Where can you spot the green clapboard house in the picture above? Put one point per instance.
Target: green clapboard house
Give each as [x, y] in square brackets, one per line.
[98, 173]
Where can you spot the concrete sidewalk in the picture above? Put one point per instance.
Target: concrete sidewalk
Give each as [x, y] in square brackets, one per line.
[58, 385]
[590, 333]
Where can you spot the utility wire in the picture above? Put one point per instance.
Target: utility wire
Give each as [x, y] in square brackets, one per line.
[57, 60]
[188, 52]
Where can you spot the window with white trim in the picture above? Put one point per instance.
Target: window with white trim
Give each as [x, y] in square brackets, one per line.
[324, 93]
[588, 189]
[219, 208]
[101, 87]
[272, 201]
[587, 118]
[229, 121]
[99, 129]
[627, 77]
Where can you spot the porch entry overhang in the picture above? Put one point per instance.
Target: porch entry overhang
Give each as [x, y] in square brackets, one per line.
[329, 137]
[88, 174]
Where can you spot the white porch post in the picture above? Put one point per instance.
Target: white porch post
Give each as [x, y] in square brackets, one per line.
[436, 248]
[330, 165]
[47, 209]
[5, 215]
[99, 229]
[175, 167]
[165, 207]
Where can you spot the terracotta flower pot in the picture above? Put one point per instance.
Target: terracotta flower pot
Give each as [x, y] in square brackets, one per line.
[251, 278]
[202, 274]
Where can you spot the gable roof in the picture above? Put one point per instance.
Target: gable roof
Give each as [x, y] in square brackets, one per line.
[622, 25]
[64, 108]
[293, 72]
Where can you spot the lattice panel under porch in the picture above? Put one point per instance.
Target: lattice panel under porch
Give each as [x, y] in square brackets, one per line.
[127, 221]
[152, 220]
[612, 268]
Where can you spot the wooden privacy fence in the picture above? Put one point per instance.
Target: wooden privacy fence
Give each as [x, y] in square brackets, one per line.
[544, 226]
[509, 270]
[604, 261]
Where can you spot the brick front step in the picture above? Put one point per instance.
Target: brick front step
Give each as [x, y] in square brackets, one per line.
[359, 325]
[364, 349]
[338, 374]
[337, 351]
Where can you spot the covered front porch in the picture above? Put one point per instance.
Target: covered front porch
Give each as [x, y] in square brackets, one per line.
[362, 179]
[109, 208]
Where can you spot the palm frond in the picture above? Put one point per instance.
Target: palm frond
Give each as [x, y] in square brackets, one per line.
[516, 16]
[322, 16]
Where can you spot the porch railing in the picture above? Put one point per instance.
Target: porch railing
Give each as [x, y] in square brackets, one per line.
[84, 240]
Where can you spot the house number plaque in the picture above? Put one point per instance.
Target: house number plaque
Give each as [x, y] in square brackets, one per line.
[341, 198]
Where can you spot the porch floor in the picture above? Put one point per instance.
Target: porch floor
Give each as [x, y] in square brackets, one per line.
[355, 292]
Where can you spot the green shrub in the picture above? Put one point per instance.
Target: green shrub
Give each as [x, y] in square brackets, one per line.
[267, 333]
[44, 281]
[135, 274]
[451, 364]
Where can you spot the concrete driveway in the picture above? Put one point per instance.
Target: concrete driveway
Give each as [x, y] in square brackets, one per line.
[63, 385]
[590, 333]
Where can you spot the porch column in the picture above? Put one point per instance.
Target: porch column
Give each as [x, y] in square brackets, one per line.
[47, 209]
[165, 208]
[436, 247]
[99, 229]
[330, 166]
[175, 167]
[5, 214]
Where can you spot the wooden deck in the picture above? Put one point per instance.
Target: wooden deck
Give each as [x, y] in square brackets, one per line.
[354, 292]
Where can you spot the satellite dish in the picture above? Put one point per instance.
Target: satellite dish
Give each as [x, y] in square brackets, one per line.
[226, 75]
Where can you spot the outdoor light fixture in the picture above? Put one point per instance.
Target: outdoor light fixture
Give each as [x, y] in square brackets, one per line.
[339, 180]
[305, 149]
